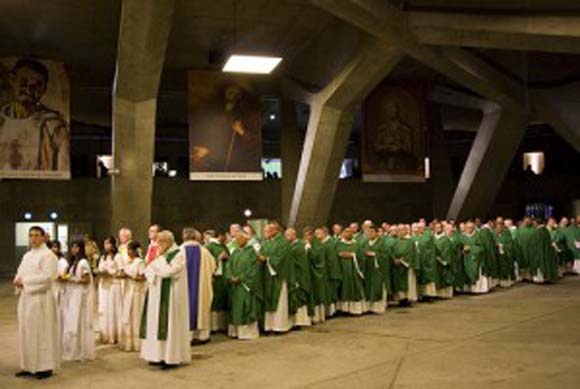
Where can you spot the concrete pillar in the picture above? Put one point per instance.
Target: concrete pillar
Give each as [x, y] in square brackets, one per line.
[144, 30]
[560, 108]
[495, 144]
[329, 127]
[290, 149]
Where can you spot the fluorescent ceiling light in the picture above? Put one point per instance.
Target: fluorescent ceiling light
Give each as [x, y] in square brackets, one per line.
[251, 64]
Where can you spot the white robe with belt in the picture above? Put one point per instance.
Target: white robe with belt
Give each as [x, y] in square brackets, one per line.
[38, 320]
[133, 299]
[79, 335]
[110, 298]
[176, 348]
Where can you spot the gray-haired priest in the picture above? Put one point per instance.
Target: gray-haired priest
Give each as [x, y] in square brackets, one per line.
[200, 266]
[165, 322]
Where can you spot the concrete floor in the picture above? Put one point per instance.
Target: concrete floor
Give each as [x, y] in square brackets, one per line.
[525, 337]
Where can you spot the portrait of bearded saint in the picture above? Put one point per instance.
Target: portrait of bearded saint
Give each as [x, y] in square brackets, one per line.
[36, 137]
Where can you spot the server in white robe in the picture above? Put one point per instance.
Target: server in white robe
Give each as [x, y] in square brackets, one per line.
[165, 323]
[133, 298]
[62, 268]
[111, 293]
[78, 342]
[38, 323]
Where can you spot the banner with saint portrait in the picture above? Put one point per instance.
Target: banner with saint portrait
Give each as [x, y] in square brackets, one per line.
[394, 133]
[34, 119]
[225, 127]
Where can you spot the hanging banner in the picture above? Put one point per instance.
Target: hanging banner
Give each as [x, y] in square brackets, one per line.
[225, 127]
[394, 133]
[34, 119]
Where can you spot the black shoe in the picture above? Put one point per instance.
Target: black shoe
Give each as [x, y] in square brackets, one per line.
[197, 342]
[42, 375]
[156, 363]
[23, 373]
[169, 366]
[404, 303]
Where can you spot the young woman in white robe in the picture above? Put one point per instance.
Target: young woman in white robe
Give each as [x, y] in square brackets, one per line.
[78, 342]
[133, 298]
[110, 293]
[62, 268]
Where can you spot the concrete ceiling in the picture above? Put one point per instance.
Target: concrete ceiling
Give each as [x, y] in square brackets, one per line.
[314, 44]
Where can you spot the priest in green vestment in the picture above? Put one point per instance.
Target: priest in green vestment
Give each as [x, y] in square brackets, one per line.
[427, 259]
[275, 256]
[545, 267]
[352, 265]
[458, 268]
[376, 257]
[571, 233]
[333, 270]
[390, 240]
[216, 246]
[319, 283]
[472, 251]
[245, 290]
[299, 285]
[446, 255]
[405, 267]
[559, 244]
[527, 245]
[165, 320]
[505, 251]
[489, 268]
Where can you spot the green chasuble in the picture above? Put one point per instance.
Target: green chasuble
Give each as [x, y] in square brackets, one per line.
[276, 270]
[376, 268]
[164, 298]
[472, 257]
[458, 268]
[246, 295]
[548, 259]
[447, 254]
[405, 250]
[220, 294]
[232, 246]
[316, 260]
[333, 270]
[572, 236]
[489, 266]
[427, 258]
[390, 242]
[505, 248]
[352, 288]
[527, 242]
[559, 243]
[299, 285]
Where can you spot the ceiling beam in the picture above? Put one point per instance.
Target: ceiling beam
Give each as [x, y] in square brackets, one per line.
[390, 24]
[514, 32]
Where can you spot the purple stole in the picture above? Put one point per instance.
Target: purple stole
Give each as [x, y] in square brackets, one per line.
[193, 260]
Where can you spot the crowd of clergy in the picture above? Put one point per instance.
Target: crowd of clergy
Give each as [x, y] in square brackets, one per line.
[162, 299]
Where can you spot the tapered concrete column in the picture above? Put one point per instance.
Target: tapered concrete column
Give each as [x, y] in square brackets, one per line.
[290, 149]
[144, 29]
[560, 108]
[497, 139]
[329, 127]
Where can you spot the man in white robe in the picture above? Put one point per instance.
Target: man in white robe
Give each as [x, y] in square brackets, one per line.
[200, 266]
[38, 321]
[165, 324]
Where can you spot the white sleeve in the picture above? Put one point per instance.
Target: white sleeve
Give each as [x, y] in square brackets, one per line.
[42, 281]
